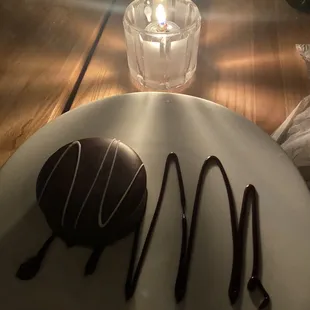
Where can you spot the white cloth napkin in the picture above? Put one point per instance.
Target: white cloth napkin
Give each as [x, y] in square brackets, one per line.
[294, 134]
[304, 51]
[294, 137]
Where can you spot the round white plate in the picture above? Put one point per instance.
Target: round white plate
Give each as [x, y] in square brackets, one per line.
[155, 124]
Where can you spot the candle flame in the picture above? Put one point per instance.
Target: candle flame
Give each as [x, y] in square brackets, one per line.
[161, 15]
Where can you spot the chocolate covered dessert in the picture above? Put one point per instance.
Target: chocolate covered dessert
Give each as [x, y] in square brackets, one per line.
[92, 193]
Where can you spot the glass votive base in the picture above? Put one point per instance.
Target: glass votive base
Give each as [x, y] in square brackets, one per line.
[162, 56]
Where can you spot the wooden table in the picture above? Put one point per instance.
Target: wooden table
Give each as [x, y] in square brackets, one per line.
[56, 55]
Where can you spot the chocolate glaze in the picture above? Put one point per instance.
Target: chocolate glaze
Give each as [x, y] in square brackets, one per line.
[92, 193]
[238, 234]
[93, 261]
[31, 266]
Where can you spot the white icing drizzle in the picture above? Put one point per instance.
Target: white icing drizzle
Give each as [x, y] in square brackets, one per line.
[57, 164]
[107, 185]
[93, 184]
[120, 202]
[73, 181]
[78, 144]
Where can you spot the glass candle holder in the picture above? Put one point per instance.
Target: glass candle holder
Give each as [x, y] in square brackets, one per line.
[162, 42]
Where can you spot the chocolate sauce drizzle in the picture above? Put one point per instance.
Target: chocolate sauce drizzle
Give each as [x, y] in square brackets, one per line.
[133, 275]
[30, 268]
[238, 234]
[92, 262]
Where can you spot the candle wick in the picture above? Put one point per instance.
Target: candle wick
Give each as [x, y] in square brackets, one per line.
[163, 27]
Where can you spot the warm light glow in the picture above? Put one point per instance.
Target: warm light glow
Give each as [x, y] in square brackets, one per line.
[161, 15]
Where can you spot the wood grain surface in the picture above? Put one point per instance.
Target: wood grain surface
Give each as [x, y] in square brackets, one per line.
[247, 59]
[43, 44]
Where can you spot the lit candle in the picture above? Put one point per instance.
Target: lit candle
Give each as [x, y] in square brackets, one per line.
[162, 54]
[162, 44]
[161, 18]
[161, 25]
